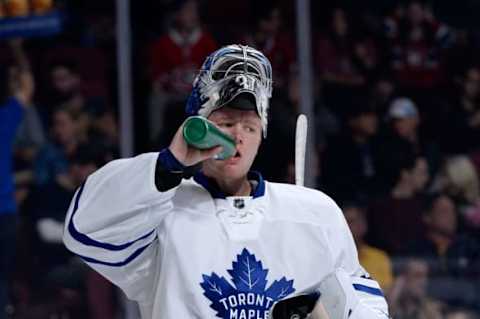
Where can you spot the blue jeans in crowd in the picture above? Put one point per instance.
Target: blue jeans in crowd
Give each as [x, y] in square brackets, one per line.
[8, 230]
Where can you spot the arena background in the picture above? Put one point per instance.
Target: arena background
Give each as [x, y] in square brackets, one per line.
[391, 89]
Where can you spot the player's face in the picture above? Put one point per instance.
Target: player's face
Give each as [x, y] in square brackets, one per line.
[246, 128]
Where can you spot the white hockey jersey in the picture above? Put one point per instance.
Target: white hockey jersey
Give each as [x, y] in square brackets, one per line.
[190, 252]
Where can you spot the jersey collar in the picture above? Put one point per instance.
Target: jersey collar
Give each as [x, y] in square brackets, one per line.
[215, 192]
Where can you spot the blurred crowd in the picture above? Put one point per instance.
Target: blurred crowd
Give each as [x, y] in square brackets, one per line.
[396, 122]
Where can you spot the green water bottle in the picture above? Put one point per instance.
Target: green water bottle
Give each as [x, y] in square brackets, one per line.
[203, 134]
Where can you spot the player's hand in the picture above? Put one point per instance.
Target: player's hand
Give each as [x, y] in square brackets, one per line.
[188, 155]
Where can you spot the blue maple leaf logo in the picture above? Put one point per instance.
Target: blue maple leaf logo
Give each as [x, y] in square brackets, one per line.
[249, 298]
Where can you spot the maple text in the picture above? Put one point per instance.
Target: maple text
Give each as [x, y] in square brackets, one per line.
[249, 314]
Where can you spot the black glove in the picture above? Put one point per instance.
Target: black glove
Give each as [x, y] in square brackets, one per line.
[169, 171]
[298, 307]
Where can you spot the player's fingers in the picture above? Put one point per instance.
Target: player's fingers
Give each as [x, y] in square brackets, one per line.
[194, 156]
[211, 152]
[197, 155]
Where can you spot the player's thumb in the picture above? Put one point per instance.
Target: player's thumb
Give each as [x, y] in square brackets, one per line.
[211, 152]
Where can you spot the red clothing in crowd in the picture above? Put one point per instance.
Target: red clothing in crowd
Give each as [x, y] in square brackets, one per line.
[346, 61]
[335, 59]
[395, 223]
[417, 53]
[280, 50]
[174, 60]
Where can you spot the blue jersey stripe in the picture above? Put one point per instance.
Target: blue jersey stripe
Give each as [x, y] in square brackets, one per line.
[367, 289]
[84, 239]
[116, 264]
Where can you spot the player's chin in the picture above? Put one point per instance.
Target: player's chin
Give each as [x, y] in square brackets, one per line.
[236, 170]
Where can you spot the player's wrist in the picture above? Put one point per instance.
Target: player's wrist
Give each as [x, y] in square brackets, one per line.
[169, 161]
[179, 153]
[169, 171]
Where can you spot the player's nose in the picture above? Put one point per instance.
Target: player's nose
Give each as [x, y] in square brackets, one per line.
[237, 133]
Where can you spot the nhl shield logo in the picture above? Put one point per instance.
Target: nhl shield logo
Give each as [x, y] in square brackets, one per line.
[249, 298]
[239, 203]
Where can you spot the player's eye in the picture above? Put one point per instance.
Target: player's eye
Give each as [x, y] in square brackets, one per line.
[225, 124]
[251, 129]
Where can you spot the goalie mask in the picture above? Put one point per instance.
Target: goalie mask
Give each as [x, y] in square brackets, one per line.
[234, 73]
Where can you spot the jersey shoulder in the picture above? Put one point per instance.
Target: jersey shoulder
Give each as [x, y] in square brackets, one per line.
[192, 195]
[302, 203]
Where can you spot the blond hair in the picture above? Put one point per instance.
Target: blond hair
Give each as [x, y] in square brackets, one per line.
[462, 177]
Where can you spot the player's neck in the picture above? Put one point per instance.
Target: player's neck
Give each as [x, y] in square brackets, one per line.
[235, 187]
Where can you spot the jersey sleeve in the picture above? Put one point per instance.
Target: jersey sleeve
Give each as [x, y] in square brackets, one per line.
[112, 223]
[367, 299]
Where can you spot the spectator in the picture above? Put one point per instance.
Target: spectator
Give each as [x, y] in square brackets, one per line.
[173, 61]
[462, 55]
[66, 88]
[177, 54]
[348, 165]
[11, 113]
[452, 253]
[405, 120]
[408, 298]
[453, 256]
[59, 272]
[344, 62]
[417, 40]
[375, 261]
[30, 135]
[383, 89]
[460, 313]
[391, 21]
[52, 161]
[417, 57]
[459, 179]
[269, 37]
[395, 218]
[463, 118]
[421, 175]
[51, 201]
[403, 126]
[65, 85]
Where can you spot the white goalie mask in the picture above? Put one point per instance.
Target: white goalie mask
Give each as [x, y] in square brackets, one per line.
[234, 72]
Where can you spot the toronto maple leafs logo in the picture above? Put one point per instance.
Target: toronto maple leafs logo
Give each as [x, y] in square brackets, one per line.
[249, 299]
